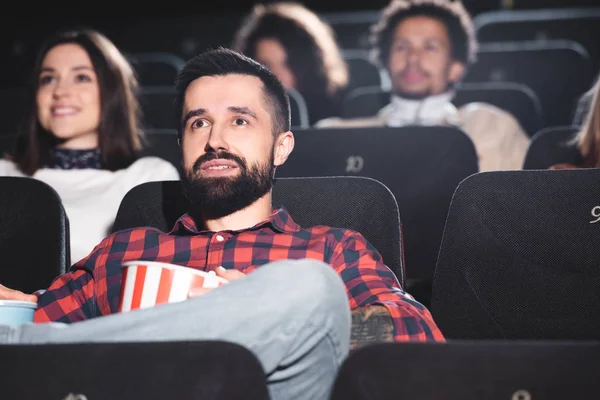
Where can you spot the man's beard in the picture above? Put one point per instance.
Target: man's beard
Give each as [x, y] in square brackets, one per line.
[217, 197]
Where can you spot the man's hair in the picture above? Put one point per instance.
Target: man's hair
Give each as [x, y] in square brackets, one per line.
[463, 43]
[221, 62]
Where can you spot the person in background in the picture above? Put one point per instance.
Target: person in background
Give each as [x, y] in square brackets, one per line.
[587, 139]
[81, 134]
[302, 52]
[426, 46]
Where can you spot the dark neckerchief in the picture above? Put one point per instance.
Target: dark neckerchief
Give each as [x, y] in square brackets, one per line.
[74, 159]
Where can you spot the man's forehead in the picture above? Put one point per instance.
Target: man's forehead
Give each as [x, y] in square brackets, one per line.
[225, 91]
[422, 26]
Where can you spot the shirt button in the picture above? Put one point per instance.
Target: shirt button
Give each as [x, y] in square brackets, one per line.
[220, 238]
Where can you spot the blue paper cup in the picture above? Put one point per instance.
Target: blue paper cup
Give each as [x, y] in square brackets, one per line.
[14, 312]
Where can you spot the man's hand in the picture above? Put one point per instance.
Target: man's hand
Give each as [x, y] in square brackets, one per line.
[11, 294]
[228, 274]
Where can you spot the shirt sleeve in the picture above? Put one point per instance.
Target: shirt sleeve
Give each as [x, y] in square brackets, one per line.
[370, 282]
[73, 296]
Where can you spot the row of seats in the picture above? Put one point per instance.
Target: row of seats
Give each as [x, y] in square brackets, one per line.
[421, 166]
[217, 370]
[32, 212]
[517, 260]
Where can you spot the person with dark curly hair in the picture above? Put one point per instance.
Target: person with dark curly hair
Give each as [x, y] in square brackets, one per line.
[426, 46]
[301, 50]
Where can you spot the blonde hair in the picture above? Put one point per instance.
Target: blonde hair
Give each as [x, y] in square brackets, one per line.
[588, 137]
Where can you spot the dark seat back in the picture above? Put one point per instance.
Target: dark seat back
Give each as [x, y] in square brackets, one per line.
[34, 234]
[581, 25]
[352, 28]
[422, 166]
[519, 257]
[12, 102]
[470, 371]
[156, 68]
[298, 110]
[208, 370]
[361, 70]
[163, 143]
[158, 107]
[361, 204]
[564, 63]
[552, 146]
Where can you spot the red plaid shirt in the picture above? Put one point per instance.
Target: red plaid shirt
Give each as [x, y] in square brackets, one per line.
[93, 285]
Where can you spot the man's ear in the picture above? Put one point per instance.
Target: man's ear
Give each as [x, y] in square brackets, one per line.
[456, 71]
[284, 144]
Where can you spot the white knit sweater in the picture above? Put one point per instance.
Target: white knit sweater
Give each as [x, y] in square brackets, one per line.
[91, 197]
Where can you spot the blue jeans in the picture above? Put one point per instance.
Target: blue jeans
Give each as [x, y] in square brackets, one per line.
[293, 315]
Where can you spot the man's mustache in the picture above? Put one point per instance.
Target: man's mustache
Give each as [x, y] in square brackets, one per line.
[223, 155]
[413, 68]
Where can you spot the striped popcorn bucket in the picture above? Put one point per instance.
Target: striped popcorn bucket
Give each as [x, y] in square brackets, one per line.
[148, 283]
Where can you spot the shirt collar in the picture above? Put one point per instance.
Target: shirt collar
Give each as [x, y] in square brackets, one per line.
[279, 221]
[428, 111]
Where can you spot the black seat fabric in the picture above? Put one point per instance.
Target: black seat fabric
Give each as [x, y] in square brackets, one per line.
[156, 68]
[362, 71]
[361, 204]
[581, 25]
[352, 28]
[208, 370]
[552, 146]
[422, 166]
[475, 370]
[163, 143]
[519, 257]
[564, 63]
[158, 107]
[34, 234]
[12, 102]
[298, 110]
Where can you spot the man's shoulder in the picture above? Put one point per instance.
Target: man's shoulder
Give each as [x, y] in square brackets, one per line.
[132, 234]
[334, 234]
[485, 110]
[487, 117]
